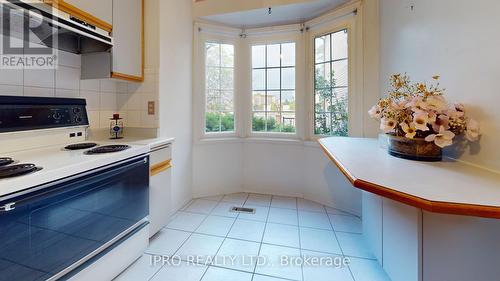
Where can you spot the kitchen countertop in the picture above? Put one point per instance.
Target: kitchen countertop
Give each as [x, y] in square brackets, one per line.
[450, 186]
[151, 142]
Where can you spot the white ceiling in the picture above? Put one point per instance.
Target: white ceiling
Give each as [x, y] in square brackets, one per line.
[288, 14]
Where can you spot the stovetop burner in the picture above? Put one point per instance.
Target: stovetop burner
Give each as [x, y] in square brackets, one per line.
[79, 146]
[18, 170]
[4, 161]
[107, 149]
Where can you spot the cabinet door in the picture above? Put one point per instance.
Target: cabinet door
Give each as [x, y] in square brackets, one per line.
[100, 9]
[159, 201]
[128, 29]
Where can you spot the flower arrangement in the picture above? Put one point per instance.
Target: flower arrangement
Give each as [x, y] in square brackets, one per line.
[419, 110]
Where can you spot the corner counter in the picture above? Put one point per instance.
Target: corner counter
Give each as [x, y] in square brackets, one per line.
[423, 221]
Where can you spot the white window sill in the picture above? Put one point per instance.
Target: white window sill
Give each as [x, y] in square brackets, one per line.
[258, 140]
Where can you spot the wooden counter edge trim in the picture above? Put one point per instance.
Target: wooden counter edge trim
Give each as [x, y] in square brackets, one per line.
[415, 201]
[160, 167]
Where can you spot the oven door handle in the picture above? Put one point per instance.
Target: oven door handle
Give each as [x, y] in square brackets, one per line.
[7, 207]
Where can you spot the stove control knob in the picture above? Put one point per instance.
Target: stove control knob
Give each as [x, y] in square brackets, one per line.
[78, 119]
[77, 110]
[56, 116]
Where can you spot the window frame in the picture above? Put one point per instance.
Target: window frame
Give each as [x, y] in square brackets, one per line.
[205, 34]
[257, 38]
[266, 69]
[355, 74]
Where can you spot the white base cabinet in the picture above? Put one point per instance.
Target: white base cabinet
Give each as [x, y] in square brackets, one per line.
[160, 188]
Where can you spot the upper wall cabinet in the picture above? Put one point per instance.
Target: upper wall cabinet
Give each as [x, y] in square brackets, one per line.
[126, 59]
[95, 12]
[128, 36]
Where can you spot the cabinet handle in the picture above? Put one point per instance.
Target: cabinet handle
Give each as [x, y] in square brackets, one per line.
[7, 207]
[160, 167]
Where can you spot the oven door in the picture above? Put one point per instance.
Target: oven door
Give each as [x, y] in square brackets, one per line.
[51, 230]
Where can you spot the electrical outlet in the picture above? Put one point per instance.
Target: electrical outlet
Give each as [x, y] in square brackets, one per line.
[151, 108]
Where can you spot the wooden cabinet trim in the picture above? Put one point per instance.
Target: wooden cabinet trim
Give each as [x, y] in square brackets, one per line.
[76, 12]
[160, 167]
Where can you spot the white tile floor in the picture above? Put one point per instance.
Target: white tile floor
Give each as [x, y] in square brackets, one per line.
[281, 226]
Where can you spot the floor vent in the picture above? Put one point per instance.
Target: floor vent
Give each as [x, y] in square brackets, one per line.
[243, 210]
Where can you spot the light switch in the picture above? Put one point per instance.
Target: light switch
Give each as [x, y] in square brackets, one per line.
[151, 108]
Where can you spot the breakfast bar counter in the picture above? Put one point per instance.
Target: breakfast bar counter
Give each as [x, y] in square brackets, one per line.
[423, 221]
[449, 187]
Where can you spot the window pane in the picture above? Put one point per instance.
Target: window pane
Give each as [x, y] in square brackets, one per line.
[322, 76]
[322, 123]
[323, 100]
[288, 78]
[273, 55]
[340, 50]
[322, 46]
[273, 79]
[340, 73]
[227, 55]
[288, 54]
[212, 54]
[212, 100]
[259, 100]
[212, 122]
[273, 95]
[226, 101]
[288, 100]
[272, 124]
[258, 56]
[259, 122]
[259, 79]
[227, 122]
[213, 78]
[273, 101]
[331, 84]
[219, 84]
[288, 122]
[227, 78]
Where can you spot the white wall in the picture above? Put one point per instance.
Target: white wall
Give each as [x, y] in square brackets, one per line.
[459, 40]
[175, 81]
[272, 167]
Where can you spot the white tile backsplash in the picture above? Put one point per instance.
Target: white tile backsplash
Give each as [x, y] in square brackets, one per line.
[44, 78]
[10, 90]
[11, 77]
[68, 78]
[104, 97]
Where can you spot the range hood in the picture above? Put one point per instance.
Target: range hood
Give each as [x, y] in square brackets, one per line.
[51, 27]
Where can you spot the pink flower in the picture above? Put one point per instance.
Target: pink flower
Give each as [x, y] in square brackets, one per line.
[410, 130]
[452, 112]
[375, 112]
[387, 125]
[441, 120]
[437, 103]
[416, 104]
[442, 139]
[472, 133]
[460, 107]
[421, 119]
[399, 105]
